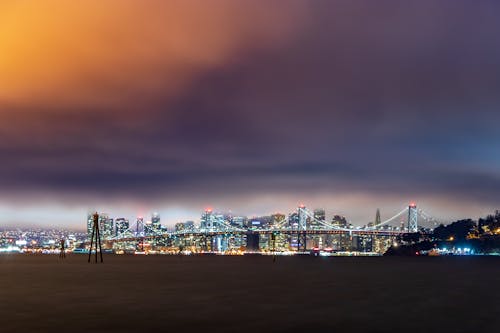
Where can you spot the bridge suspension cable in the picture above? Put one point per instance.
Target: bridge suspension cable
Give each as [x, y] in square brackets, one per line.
[331, 226]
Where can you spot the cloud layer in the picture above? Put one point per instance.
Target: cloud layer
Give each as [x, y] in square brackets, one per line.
[180, 104]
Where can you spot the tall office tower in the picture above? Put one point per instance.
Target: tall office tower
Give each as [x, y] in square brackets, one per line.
[155, 221]
[378, 220]
[108, 228]
[148, 228]
[341, 242]
[103, 218]
[90, 221]
[121, 226]
[319, 215]
[105, 225]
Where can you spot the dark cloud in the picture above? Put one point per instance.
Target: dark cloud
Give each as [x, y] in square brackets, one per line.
[380, 98]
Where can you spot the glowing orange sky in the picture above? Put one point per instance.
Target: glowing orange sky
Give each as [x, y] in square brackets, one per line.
[55, 51]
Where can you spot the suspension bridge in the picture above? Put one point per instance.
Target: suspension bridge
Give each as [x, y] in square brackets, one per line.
[305, 232]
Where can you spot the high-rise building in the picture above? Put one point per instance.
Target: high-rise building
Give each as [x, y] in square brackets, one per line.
[156, 224]
[319, 215]
[189, 225]
[90, 224]
[341, 242]
[121, 226]
[108, 228]
[148, 228]
[103, 217]
[378, 220]
[105, 225]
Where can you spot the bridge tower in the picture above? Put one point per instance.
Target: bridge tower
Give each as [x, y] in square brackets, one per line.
[96, 237]
[302, 218]
[302, 228]
[412, 218]
[139, 226]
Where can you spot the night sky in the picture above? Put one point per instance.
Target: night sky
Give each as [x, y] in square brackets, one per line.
[131, 107]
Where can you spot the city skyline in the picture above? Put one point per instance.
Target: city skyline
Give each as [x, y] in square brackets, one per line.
[120, 106]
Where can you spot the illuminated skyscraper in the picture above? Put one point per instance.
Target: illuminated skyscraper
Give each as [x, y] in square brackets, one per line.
[121, 226]
[378, 220]
[155, 221]
[90, 221]
[108, 228]
[319, 215]
[105, 225]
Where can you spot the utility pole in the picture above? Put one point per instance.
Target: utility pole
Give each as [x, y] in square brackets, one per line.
[62, 253]
[96, 234]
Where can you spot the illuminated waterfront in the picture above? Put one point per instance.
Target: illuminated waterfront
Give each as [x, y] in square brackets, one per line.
[302, 232]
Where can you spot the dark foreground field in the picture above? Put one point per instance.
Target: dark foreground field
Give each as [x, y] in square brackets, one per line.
[249, 294]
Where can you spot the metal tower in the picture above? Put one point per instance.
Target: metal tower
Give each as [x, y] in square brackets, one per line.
[302, 228]
[96, 235]
[302, 218]
[412, 218]
[378, 220]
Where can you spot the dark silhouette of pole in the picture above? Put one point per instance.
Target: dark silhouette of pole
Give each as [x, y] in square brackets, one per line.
[92, 238]
[98, 239]
[97, 235]
[62, 253]
[273, 238]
